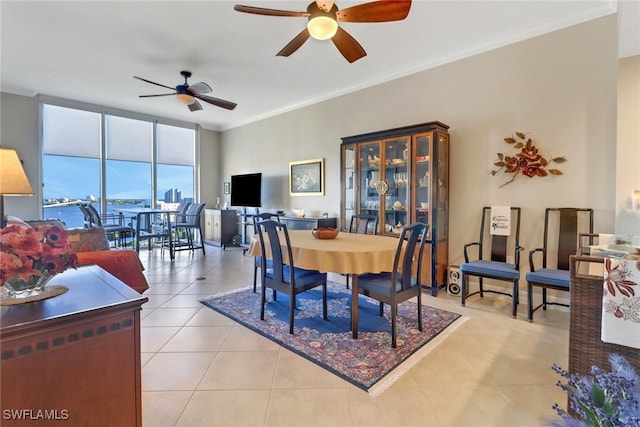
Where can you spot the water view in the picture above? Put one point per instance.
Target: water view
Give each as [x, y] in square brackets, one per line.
[72, 216]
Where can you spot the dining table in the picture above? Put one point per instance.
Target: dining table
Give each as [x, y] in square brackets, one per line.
[151, 230]
[348, 253]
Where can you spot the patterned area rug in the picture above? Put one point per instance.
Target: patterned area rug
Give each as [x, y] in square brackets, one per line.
[368, 362]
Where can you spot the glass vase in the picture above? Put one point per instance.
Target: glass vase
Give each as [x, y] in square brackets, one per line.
[18, 288]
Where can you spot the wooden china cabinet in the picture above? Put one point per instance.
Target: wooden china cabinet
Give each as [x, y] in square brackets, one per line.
[402, 176]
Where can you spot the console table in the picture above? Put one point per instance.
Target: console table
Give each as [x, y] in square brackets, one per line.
[309, 223]
[73, 359]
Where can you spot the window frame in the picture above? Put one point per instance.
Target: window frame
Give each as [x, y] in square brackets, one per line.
[104, 112]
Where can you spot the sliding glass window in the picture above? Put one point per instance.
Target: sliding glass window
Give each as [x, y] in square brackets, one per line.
[70, 161]
[112, 161]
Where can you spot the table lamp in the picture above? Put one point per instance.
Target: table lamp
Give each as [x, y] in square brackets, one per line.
[13, 180]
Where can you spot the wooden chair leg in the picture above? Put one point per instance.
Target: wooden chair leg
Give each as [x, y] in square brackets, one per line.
[324, 301]
[514, 300]
[463, 288]
[530, 302]
[292, 303]
[394, 313]
[420, 311]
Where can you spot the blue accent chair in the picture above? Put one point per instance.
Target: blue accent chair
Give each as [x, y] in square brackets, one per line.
[562, 230]
[498, 258]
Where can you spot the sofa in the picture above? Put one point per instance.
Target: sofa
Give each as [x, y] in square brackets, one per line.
[92, 248]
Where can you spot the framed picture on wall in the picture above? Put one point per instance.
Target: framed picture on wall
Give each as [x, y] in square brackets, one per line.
[306, 178]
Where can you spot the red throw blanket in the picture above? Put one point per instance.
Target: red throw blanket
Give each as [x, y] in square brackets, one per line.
[123, 264]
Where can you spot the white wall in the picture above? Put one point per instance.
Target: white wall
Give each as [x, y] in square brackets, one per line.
[19, 130]
[560, 87]
[209, 165]
[628, 152]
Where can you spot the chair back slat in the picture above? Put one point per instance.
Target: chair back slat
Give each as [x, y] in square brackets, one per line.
[271, 228]
[361, 223]
[567, 238]
[499, 248]
[562, 229]
[94, 214]
[412, 237]
[182, 211]
[192, 216]
[262, 217]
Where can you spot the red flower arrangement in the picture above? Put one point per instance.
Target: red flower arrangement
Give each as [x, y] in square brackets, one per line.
[528, 161]
[31, 254]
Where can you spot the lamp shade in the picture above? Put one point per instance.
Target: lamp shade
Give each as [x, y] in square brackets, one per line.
[186, 99]
[13, 180]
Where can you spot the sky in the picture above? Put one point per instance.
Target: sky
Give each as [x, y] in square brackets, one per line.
[78, 178]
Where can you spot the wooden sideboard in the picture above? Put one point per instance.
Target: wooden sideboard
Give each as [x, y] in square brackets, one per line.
[73, 359]
[220, 226]
[309, 223]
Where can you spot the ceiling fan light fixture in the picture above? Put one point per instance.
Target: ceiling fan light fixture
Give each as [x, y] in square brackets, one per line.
[185, 99]
[322, 27]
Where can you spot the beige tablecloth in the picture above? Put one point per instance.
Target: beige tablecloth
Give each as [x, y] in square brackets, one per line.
[349, 253]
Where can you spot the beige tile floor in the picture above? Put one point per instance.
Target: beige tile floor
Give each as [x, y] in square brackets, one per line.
[202, 369]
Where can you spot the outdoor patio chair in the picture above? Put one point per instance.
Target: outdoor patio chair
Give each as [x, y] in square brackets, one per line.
[184, 232]
[113, 225]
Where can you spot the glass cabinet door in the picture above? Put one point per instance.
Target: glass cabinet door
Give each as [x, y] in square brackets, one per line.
[395, 201]
[369, 179]
[443, 186]
[422, 179]
[349, 184]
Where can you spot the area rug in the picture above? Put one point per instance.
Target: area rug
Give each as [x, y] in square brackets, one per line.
[368, 362]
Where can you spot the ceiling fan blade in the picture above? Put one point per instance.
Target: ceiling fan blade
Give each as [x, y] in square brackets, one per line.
[348, 46]
[153, 83]
[294, 44]
[162, 94]
[269, 12]
[217, 101]
[377, 11]
[200, 87]
[195, 106]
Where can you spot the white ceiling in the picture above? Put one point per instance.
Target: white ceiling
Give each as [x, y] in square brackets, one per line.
[89, 51]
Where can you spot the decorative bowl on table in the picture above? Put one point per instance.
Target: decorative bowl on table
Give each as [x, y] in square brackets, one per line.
[325, 233]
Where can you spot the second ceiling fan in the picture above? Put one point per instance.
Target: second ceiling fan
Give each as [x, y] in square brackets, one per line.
[324, 15]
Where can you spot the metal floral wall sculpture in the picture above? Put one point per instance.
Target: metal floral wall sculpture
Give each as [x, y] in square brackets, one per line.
[526, 161]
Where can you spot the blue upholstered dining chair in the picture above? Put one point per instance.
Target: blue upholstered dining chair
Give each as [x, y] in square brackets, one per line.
[258, 260]
[401, 284]
[498, 258]
[281, 277]
[562, 230]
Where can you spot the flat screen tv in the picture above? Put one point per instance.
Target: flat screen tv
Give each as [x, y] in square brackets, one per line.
[246, 190]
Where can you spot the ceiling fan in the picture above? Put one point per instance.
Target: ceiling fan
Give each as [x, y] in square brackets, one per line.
[324, 16]
[187, 94]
